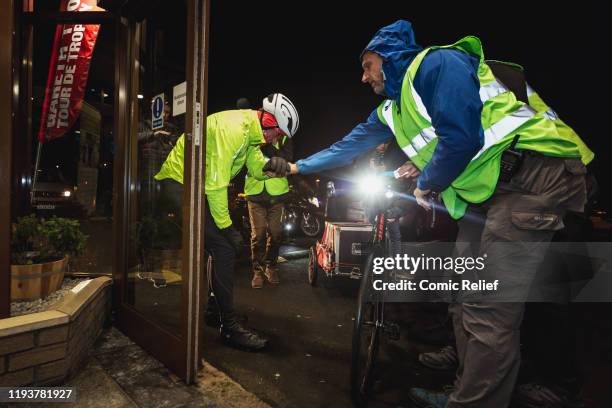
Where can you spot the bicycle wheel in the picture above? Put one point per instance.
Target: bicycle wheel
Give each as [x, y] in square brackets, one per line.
[313, 266]
[366, 335]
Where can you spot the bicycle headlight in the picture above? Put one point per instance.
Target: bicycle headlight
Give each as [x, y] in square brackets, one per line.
[370, 184]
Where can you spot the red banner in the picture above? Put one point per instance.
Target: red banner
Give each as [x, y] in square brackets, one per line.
[68, 71]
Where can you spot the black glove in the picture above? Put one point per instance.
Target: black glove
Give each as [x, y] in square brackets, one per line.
[278, 166]
[234, 238]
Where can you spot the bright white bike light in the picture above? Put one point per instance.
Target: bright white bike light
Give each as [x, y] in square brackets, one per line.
[389, 194]
[370, 184]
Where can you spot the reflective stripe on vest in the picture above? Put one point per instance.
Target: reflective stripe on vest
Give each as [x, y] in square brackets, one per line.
[491, 90]
[550, 114]
[504, 127]
[491, 135]
[502, 118]
[387, 112]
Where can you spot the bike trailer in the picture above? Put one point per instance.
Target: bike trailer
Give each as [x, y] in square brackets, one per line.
[343, 247]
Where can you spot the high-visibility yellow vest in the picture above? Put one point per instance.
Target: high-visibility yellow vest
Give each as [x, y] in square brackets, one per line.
[503, 117]
[274, 186]
[536, 102]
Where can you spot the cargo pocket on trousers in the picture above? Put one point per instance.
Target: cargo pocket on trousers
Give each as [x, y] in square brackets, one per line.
[537, 221]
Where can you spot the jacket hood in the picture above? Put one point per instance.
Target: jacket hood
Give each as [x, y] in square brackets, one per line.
[397, 46]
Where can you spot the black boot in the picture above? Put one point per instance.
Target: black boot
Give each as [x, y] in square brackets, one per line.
[234, 334]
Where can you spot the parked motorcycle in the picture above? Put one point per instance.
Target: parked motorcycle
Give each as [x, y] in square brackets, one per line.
[301, 215]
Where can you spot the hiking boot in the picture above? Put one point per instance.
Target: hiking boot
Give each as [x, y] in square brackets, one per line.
[272, 275]
[234, 334]
[424, 398]
[541, 396]
[444, 359]
[258, 280]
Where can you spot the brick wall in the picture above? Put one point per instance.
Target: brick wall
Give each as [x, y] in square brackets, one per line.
[46, 348]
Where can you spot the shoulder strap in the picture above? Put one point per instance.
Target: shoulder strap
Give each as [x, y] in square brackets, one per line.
[512, 76]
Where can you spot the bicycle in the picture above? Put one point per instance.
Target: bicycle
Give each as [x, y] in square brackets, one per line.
[370, 322]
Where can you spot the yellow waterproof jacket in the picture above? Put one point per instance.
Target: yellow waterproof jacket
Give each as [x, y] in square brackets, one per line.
[232, 140]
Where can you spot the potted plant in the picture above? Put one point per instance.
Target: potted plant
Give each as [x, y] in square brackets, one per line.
[40, 249]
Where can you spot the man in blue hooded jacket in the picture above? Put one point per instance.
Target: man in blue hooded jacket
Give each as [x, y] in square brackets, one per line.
[454, 105]
[448, 86]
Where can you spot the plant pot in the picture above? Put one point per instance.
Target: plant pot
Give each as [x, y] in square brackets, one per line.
[35, 281]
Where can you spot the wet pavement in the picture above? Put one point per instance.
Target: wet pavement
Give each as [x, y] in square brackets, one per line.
[307, 363]
[310, 328]
[308, 360]
[119, 374]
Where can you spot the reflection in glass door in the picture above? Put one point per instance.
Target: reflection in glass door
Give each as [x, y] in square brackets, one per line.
[159, 274]
[155, 241]
[155, 211]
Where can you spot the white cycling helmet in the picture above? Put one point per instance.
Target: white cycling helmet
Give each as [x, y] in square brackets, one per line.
[284, 111]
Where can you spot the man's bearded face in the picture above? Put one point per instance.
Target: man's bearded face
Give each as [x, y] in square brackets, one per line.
[371, 63]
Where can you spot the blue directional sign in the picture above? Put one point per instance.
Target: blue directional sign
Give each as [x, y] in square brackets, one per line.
[157, 111]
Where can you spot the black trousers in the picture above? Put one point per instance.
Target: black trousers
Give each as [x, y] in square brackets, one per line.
[224, 259]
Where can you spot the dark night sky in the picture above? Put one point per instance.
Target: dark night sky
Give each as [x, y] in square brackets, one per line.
[310, 53]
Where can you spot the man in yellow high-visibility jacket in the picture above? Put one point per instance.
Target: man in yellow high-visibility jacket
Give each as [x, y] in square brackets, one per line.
[233, 139]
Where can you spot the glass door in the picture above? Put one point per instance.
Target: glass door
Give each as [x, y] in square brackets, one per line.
[157, 235]
[145, 89]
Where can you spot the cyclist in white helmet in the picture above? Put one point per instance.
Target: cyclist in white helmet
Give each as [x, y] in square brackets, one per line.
[233, 140]
[284, 111]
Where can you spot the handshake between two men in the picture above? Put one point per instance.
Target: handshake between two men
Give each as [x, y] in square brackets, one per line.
[279, 167]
